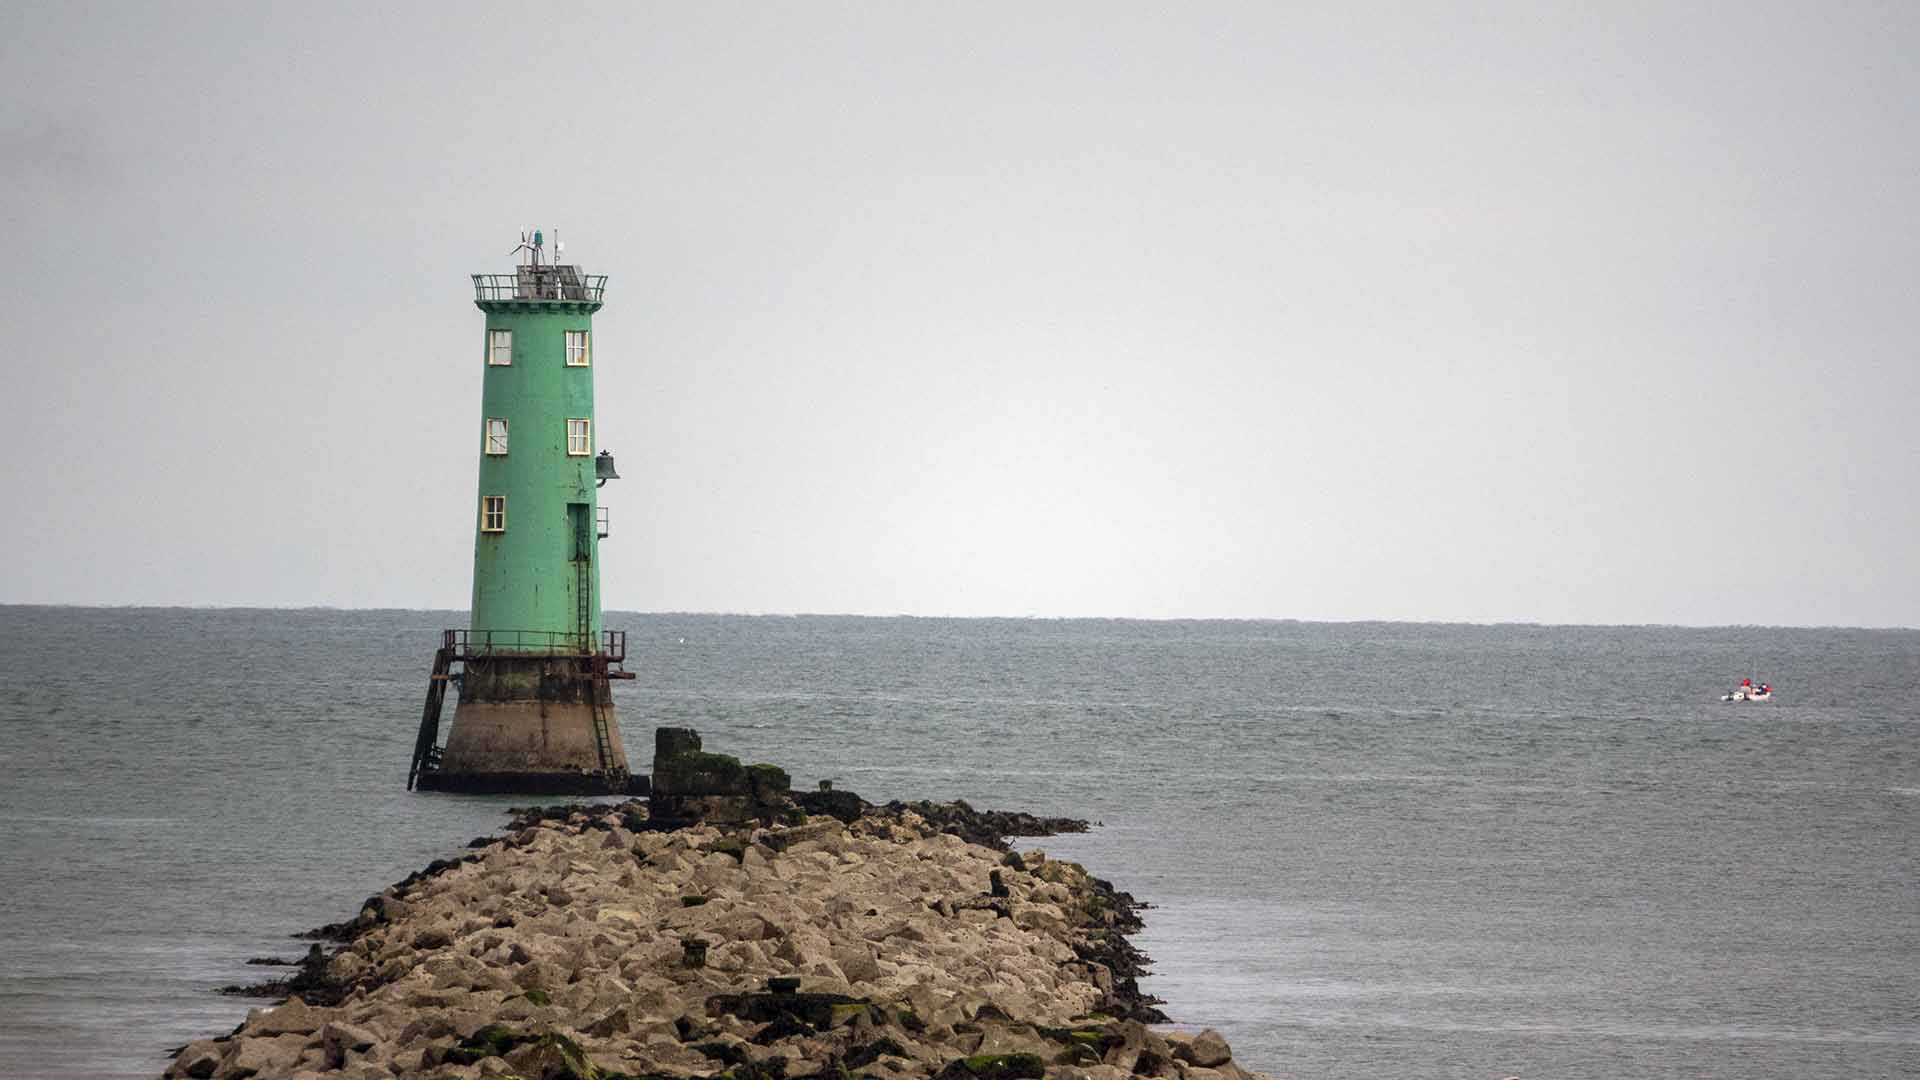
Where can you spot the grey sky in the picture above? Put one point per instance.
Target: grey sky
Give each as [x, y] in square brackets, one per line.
[1589, 313]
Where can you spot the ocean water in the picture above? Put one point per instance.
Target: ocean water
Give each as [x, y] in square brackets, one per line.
[1378, 850]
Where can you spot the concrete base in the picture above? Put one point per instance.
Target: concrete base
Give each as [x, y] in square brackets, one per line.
[527, 725]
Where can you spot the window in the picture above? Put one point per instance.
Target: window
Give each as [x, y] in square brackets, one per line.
[493, 513]
[496, 435]
[579, 440]
[499, 348]
[577, 348]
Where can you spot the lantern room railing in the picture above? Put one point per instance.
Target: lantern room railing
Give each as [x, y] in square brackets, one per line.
[541, 283]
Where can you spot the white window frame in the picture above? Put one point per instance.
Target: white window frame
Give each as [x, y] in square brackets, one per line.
[586, 437]
[493, 513]
[491, 444]
[579, 347]
[499, 348]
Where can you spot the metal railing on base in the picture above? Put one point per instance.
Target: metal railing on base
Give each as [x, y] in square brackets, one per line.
[470, 644]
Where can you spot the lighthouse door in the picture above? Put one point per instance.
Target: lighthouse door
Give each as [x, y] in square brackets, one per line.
[580, 524]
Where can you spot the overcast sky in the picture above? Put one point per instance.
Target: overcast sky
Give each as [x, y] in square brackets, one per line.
[1586, 312]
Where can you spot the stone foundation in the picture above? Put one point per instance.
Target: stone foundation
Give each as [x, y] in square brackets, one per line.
[526, 725]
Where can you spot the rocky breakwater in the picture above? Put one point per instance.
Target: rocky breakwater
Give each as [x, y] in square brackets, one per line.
[589, 942]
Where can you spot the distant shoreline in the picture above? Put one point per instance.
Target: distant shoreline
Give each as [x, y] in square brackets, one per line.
[1200, 620]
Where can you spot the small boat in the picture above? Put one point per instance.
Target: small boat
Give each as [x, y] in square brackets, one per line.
[1747, 691]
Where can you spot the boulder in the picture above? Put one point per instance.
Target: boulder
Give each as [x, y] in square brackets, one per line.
[251, 1056]
[293, 1017]
[1208, 1050]
[1000, 1039]
[1125, 1053]
[805, 949]
[197, 1060]
[746, 926]
[554, 1056]
[856, 961]
[341, 1038]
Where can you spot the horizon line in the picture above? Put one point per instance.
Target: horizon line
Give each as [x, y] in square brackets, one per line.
[106, 606]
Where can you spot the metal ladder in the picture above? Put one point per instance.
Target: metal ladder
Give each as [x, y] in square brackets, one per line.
[602, 738]
[583, 593]
[596, 661]
[426, 745]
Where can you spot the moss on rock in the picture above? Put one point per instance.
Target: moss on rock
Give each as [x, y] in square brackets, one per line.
[494, 1040]
[769, 779]
[697, 772]
[995, 1067]
[844, 1014]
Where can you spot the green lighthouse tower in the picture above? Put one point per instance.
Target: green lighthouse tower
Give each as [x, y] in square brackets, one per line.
[535, 708]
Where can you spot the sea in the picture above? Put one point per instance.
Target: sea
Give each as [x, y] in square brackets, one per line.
[1371, 849]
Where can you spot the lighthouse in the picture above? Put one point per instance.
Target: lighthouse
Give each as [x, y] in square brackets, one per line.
[533, 668]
